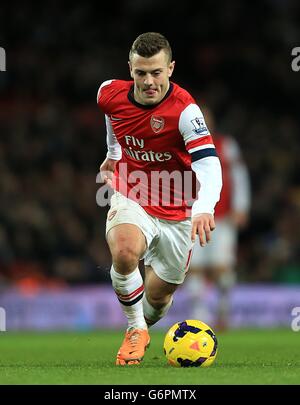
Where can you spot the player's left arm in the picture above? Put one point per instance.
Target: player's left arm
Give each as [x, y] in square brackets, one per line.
[209, 174]
[241, 186]
[207, 167]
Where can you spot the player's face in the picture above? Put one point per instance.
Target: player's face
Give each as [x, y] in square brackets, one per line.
[151, 77]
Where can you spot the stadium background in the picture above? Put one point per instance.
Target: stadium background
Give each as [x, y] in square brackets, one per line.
[54, 261]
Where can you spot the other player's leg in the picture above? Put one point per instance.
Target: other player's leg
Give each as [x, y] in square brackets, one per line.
[225, 280]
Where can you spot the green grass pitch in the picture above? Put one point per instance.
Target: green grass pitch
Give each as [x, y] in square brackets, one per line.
[244, 357]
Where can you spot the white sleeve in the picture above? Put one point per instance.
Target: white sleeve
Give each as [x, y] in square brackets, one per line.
[240, 177]
[209, 174]
[191, 124]
[101, 86]
[114, 150]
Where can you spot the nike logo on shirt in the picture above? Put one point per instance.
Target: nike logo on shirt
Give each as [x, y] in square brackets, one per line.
[115, 118]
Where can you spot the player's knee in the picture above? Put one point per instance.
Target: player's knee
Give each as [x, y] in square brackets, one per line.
[125, 257]
[125, 252]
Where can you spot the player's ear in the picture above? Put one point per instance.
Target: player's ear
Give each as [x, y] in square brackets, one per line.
[171, 68]
[130, 69]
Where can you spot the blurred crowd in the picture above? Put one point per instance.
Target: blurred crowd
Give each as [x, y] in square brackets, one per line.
[236, 59]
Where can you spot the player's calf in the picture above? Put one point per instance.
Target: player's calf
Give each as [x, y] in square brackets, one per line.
[154, 314]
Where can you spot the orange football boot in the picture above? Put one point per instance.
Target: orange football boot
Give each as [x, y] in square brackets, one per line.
[133, 347]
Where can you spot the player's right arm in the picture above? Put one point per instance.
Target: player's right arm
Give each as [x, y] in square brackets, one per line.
[114, 151]
[107, 169]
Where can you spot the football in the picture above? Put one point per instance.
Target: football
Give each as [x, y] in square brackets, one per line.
[190, 343]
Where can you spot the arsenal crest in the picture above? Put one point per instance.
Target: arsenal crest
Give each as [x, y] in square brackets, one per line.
[157, 123]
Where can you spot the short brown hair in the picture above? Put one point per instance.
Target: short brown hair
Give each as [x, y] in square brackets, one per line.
[149, 44]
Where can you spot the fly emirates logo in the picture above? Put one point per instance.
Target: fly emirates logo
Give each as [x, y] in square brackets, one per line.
[136, 151]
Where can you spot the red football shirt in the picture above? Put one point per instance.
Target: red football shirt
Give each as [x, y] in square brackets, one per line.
[223, 206]
[158, 144]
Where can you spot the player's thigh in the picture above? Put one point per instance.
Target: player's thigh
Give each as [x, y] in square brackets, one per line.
[126, 237]
[128, 226]
[157, 290]
[226, 241]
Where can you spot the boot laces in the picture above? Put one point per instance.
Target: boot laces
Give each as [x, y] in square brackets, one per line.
[134, 338]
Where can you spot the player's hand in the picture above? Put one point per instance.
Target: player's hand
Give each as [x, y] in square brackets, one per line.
[203, 225]
[107, 170]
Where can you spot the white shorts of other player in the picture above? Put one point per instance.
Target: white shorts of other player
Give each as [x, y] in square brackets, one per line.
[221, 250]
[168, 242]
